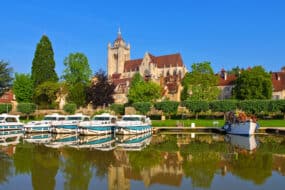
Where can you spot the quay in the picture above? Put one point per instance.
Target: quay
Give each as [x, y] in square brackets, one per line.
[219, 130]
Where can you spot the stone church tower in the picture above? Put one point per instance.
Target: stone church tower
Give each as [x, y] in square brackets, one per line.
[118, 53]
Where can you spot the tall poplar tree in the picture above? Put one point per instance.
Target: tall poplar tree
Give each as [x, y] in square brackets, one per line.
[43, 66]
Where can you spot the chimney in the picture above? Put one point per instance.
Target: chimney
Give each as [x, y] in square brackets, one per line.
[224, 74]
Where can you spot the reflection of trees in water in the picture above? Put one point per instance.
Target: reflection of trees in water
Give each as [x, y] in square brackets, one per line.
[255, 167]
[23, 158]
[45, 167]
[6, 165]
[39, 161]
[78, 166]
[201, 159]
[145, 159]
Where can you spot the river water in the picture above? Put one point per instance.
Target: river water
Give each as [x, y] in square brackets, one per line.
[160, 161]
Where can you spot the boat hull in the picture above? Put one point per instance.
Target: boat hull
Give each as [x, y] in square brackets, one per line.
[245, 128]
[37, 129]
[64, 129]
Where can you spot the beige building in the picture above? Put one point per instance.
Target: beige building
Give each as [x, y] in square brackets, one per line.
[278, 82]
[166, 70]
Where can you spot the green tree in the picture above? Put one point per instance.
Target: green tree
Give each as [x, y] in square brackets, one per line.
[101, 91]
[201, 82]
[26, 108]
[77, 69]
[144, 92]
[46, 94]
[235, 71]
[167, 107]
[77, 94]
[43, 66]
[142, 107]
[137, 78]
[70, 108]
[196, 106]
[23, 87]
[5, 77]
[254, 83]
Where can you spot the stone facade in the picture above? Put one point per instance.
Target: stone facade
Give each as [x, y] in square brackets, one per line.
[166, 70]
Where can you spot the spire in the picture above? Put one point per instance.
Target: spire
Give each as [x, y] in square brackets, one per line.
[119, 33]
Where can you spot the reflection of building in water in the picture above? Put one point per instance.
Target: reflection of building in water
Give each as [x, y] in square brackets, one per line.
[117, 179]
[279, 163]
[169, 172]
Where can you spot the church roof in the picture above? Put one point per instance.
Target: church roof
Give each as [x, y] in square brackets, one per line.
[171, 60]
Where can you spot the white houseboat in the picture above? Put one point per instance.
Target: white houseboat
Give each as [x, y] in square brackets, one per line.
[70, 125]
[133, 124]
[240, 125]
[43, 126]
[10, 122]
[99, 125]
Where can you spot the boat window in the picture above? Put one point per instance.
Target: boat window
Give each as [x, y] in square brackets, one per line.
[49, 118]
[61, 118]
[11, 119]
[101, 118]
[131, 119]
[74, 118]
[86, 119]
[1, 118]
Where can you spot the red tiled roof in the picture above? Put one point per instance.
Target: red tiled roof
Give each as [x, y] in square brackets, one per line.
[172, 60]
[229, 81]
[116, 75]
[132, 65]
[121, 81]
[278, 85]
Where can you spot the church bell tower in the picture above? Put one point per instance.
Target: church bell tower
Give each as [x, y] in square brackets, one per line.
[118, 53]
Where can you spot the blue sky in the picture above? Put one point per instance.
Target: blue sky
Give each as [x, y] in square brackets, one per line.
[227, 33]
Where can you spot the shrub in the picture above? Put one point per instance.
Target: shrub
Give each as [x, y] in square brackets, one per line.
[196, 106]
[142, 107]
[5, 108]
[26, 108]
[70, 108]
[167, 107]
[118, 108]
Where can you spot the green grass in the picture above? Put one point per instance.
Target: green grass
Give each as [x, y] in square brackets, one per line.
[209, 123]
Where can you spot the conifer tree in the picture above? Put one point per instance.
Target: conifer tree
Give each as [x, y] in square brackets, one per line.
[43, 66]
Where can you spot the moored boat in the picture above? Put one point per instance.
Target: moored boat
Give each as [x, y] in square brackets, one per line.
[43, 126]
[10, 122]
[240, 125]
[99, 125]
[70, 125]
[133, 124]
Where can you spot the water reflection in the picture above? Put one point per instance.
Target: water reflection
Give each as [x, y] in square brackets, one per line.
[160, 161]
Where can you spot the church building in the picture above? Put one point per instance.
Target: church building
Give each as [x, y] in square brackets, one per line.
[166, 70]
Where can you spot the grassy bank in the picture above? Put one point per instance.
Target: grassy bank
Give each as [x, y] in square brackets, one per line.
[211, 123]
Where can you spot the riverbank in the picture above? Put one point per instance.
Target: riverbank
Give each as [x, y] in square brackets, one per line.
[211, 123]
